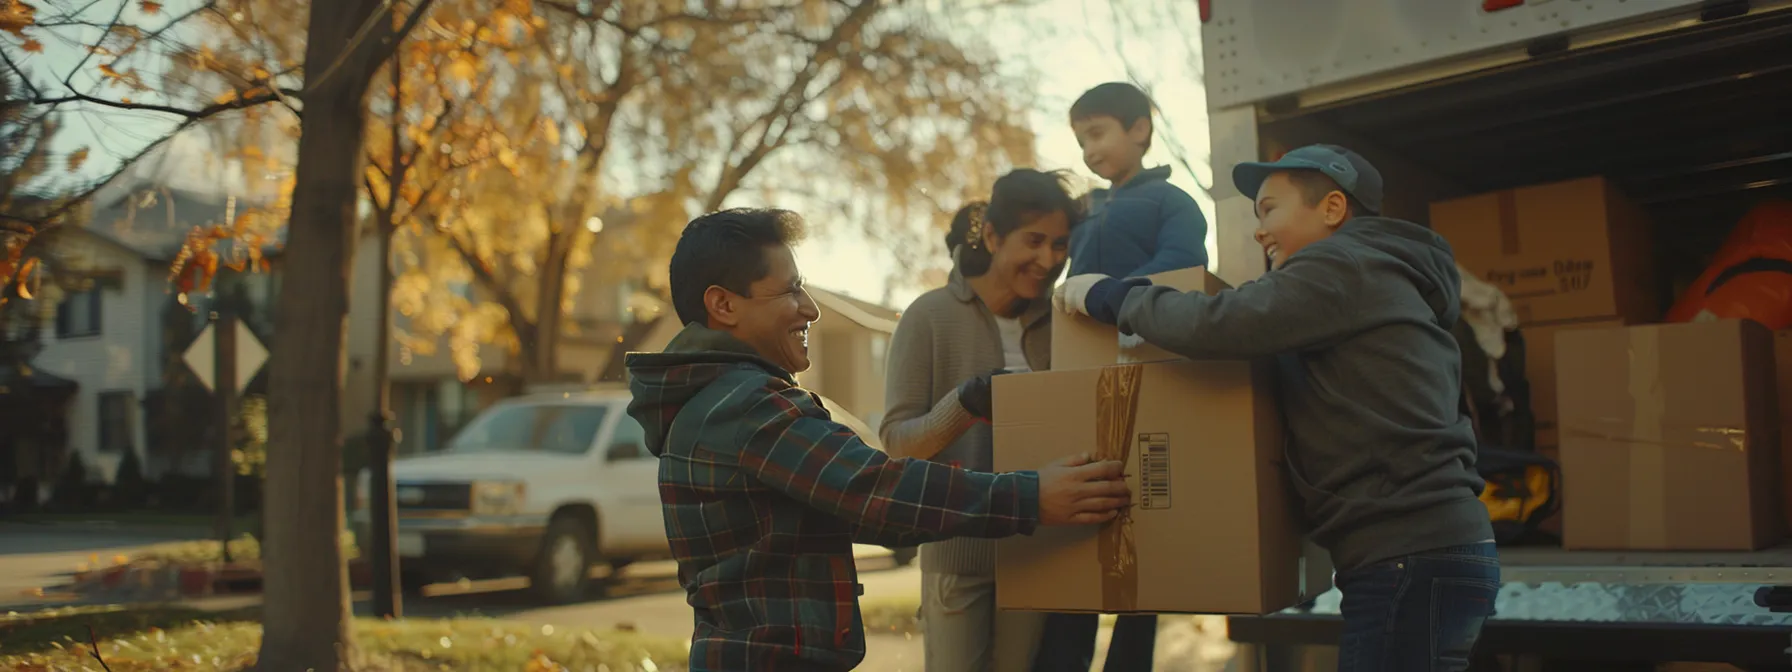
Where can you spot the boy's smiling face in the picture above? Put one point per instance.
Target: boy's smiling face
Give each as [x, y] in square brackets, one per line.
[1109, 149]
[1289, 220]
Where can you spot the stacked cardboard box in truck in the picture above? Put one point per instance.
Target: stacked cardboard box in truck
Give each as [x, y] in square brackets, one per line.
[1670, 437]
[1214, 526]
[1562, 252]
[1569, 255]
[1782, 354]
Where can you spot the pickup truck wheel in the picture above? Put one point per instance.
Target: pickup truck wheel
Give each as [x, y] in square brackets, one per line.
[563, 567]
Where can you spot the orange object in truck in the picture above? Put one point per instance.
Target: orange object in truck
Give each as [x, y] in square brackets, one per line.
[1752, 275]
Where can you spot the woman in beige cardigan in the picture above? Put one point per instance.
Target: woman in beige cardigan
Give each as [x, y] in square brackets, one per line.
[992, 317]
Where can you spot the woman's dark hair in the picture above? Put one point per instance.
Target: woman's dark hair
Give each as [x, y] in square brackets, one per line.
[1016, 198]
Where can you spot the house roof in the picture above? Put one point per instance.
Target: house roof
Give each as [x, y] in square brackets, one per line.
[864, 313]
[149, 207]
[19, 378]
[154, 225]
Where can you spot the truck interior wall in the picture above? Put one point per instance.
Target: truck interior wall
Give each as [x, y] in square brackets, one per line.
[1694, 125]
[1411, 187]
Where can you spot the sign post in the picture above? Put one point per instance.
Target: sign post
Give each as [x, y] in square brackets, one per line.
[225, 357]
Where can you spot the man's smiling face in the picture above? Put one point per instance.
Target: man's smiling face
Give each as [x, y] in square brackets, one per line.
[775, 315]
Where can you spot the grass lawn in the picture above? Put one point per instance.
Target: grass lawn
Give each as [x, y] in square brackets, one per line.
[193, 552]
[183, 639]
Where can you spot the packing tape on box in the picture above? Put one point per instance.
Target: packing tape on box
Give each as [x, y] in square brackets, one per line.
[1116, 410]
[1648, 462]
[1508, 213]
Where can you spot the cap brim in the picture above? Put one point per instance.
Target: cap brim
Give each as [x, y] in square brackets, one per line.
[1249, 177]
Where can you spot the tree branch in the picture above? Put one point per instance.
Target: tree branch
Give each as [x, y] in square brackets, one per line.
[84, 195]
[382, 210]
[68, 80]
[191, 114]
[484, 275]
[788, 103]
[19, 73]
[385, 49]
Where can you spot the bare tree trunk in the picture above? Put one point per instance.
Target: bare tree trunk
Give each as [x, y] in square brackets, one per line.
[545, 364]
[306, 614]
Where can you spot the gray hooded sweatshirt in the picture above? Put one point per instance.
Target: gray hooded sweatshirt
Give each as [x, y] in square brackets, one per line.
[1369, 378]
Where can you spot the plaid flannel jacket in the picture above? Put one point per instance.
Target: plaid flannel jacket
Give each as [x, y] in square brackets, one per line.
[764, 496]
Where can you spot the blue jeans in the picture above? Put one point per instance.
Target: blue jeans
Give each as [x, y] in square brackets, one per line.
[1417, 613]
[1068, 643]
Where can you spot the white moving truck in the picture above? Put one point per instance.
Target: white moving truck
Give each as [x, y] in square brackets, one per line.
[1686, 104]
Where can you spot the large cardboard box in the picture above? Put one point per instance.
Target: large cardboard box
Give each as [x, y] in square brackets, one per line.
[1565, 251]
[1782, 356]
[1670, 437]
[1214, 528]
[1540, 373]
[1082, 343]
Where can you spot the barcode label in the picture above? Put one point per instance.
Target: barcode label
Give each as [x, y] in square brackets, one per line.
[1154, 471]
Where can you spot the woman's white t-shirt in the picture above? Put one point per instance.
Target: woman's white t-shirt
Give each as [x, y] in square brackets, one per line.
[1013, 358]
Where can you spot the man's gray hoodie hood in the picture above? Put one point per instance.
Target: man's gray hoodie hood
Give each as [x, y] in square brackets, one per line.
[1369, 376]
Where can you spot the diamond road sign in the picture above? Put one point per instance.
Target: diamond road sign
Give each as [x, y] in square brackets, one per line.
[201, 356]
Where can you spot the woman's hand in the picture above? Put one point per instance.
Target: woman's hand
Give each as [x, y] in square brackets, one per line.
[975, 395]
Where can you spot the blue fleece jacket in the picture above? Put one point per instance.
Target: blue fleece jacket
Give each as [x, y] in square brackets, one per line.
[1144, 226]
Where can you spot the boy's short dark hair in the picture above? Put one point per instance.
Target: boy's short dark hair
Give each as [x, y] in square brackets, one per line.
[1314, 185]
[1119, 100]
[726, 249]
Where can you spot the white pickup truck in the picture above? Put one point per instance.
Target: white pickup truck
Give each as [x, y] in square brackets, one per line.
[548, 486]
[1686, 104]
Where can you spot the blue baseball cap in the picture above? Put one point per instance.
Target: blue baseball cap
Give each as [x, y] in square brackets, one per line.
[1353, 173]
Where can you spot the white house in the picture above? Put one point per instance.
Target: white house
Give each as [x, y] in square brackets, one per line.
[111, 338]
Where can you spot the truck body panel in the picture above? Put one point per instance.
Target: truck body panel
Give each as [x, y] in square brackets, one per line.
[1684, 105]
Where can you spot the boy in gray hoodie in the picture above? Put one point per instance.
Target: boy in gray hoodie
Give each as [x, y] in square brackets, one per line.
[1356, 312]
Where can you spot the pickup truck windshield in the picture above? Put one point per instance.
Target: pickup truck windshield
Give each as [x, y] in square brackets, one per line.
[564, 429]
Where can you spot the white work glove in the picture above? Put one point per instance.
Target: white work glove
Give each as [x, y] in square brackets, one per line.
[1070, 297]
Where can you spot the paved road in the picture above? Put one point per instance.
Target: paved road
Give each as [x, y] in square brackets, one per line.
[33, 556]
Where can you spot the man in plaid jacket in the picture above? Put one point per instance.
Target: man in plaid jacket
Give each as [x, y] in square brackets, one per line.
[764, 495]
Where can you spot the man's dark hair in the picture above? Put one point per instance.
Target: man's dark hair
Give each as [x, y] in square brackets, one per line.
[726, 249]
[1314, 185]
[1119, 100]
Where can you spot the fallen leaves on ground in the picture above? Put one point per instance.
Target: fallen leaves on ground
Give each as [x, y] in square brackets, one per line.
[470, 644]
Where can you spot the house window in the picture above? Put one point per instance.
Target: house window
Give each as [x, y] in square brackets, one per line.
[79, 315]
[115, 421]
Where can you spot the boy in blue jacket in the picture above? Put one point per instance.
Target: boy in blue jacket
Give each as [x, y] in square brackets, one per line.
[1142, 224]
[1357, 311]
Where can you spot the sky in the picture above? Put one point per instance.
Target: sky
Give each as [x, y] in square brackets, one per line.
[1082, 55]
[1063, 46]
